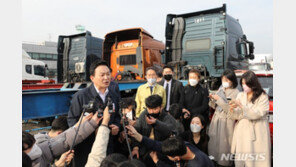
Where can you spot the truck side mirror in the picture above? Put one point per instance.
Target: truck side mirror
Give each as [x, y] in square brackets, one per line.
[251, 50]
[245, 48]
[241, 48]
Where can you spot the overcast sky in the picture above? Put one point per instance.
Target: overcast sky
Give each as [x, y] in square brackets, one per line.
[47, 19]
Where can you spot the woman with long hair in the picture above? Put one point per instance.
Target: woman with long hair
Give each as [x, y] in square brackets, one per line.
[222, 126]
[197, 134]
[251, 137]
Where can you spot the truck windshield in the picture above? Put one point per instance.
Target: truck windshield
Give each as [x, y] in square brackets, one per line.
[127, 60]
[77, 51]
[39, 70]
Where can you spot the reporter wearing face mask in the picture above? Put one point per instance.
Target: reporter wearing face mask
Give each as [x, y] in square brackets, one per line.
[196, 99]
[222, 126]
[251, 133]
[197, 134]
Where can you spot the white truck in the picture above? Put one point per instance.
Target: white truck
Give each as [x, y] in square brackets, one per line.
[32, 69]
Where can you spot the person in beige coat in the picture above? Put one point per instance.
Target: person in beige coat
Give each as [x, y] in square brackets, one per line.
[99, 148]
[222, 126]
[251, 138]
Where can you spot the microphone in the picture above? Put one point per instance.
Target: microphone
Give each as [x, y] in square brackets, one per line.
[110, 105]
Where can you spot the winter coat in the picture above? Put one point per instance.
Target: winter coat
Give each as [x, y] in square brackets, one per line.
[196, 101]
[163, 127]
[99, 148]
[221, 127]
[202, 144]
[251, 137]
[81, 98]
[62, 143]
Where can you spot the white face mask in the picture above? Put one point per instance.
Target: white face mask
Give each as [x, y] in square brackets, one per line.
[195, 128]
[246, 88]
[151, 81]
[193, 82]
[225, 84]
[35, 152]
[129, 115]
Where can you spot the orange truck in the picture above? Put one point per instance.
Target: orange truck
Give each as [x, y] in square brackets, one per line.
[130, 51]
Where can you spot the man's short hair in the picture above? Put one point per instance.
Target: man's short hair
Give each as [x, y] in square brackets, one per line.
[153, 101]
[108, 163]
[96, 64]
[60, 123]
[113, 160]
[195, 71]
[166, 66]
[126, 102]
[159, 73]
[27, 139]
[173, 146]
[131, 163]
[175, 110]
[150, 68]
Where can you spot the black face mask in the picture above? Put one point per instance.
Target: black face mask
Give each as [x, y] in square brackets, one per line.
[154, 115]
[168, 77]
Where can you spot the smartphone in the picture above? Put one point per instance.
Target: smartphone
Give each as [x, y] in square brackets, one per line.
[149, 116]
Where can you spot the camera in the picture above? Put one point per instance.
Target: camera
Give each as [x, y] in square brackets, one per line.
[126, 123]
[149, 115]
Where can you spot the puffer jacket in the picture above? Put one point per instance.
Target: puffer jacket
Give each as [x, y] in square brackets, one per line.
[56, 146]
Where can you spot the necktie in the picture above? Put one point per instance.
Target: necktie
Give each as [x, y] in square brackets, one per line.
[151, 89]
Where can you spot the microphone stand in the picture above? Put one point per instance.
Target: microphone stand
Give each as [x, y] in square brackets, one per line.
[85, 107]
[126, 136]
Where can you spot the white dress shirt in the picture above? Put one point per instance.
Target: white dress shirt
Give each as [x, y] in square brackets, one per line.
[102, 95]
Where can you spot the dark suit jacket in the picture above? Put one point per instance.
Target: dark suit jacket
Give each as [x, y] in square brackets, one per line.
[177, 92]
[79, 99]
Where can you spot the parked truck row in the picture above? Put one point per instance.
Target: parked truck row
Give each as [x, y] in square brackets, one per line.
[210, 41]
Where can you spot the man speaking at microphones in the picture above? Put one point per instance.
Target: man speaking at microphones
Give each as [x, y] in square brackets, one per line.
[99, 91]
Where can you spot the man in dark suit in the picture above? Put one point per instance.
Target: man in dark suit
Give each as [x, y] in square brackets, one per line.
[100, 90]
[174, 88]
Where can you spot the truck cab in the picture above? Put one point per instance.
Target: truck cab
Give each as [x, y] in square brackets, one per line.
[210, 41]
[75, 55]
[130, 51]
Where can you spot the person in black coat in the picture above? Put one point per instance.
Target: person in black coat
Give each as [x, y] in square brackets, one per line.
[99, 91]
[174, 88]
[154, 123]
[196, 99]
[197, 134]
